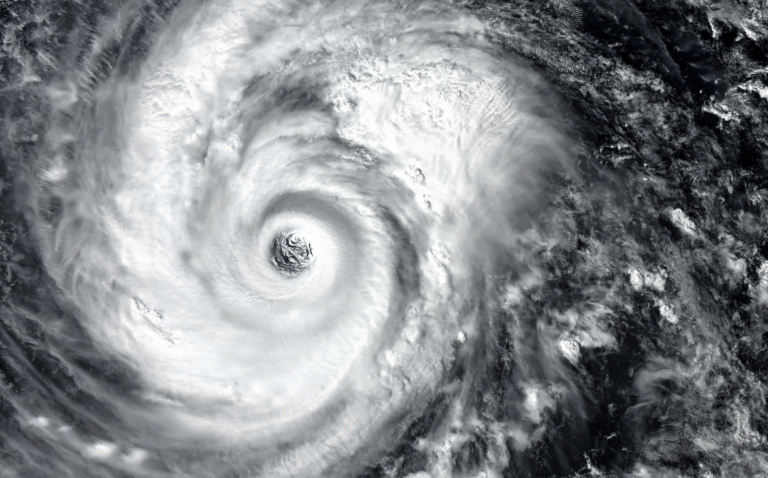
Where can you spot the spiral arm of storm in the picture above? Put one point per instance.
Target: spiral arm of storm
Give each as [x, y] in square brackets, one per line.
[364, 238]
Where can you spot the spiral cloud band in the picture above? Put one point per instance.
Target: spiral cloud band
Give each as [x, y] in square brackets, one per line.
[290, 207]
[383, 239]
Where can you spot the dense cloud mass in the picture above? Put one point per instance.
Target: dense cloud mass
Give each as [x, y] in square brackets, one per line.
[368, 239]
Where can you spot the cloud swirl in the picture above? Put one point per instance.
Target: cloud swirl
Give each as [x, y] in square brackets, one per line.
[286, 219]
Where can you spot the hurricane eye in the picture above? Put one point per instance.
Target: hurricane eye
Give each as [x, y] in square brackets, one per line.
[291, 253]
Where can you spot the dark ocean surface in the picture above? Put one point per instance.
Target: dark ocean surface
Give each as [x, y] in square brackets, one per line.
[264, 238]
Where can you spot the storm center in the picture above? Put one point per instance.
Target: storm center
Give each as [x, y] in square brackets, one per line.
[291, 253]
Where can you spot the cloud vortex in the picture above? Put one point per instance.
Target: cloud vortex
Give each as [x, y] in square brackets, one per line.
[397, 142]
[383, 239]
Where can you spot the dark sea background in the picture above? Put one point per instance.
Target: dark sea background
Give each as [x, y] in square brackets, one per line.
[618, 318]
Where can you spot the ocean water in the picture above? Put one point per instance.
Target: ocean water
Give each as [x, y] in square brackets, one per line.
[369, 239]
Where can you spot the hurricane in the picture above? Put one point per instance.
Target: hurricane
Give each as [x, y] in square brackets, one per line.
[377, 238]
